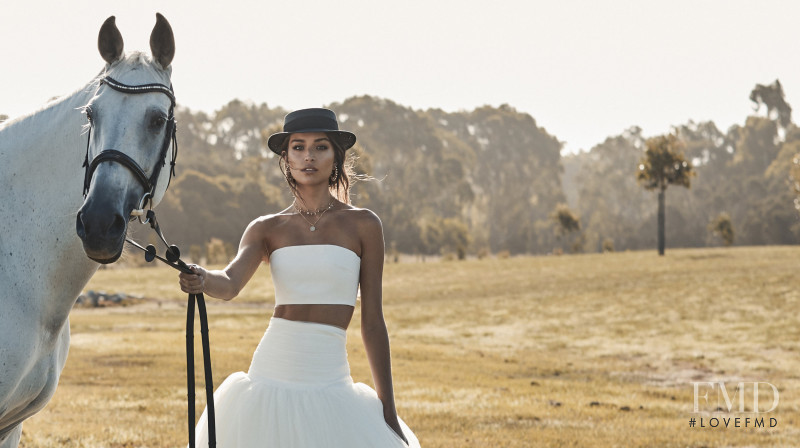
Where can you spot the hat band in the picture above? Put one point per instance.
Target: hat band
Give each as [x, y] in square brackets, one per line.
[316, 122]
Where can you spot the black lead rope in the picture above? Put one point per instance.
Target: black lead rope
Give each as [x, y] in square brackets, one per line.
[201, 307]
[173, 260]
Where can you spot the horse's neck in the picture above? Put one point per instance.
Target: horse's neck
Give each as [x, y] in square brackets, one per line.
[41, 156]
[40, 163]
[45, 146]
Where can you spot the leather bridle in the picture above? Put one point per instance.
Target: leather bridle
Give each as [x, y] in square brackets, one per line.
[112, 155]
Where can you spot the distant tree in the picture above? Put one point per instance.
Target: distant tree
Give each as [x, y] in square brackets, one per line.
[446, 235]
[757, 146]
[512, 164]
[663, 165]
[566, 221]
[610, 203]
[3, 118]
[784, 161]
[707, 148]
[772, 97]
[722, 227]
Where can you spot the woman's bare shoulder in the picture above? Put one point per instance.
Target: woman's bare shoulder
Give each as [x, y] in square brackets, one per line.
[367, 225]
[271, 221]
[363, 217]
[263, 226]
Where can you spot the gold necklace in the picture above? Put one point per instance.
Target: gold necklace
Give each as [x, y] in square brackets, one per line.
[320, 211]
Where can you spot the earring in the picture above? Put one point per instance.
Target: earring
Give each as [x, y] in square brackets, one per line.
[288, 171]
[335, 174]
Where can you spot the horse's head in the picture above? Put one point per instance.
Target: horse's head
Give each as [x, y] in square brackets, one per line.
[131, 127]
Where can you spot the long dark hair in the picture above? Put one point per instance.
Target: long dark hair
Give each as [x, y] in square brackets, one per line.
[339, 186]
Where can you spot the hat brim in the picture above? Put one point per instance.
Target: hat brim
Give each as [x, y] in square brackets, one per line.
[345, 139]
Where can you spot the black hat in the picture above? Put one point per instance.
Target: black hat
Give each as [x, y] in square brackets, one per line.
[311, 120]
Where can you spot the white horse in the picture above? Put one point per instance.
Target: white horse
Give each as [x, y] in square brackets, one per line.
[44, 260]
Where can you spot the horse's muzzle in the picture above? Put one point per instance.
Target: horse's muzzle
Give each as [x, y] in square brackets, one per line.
[103, 234]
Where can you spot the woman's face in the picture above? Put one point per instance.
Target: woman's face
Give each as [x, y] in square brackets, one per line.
[311, 157]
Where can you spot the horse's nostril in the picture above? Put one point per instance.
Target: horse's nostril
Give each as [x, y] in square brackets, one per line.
[80, 226]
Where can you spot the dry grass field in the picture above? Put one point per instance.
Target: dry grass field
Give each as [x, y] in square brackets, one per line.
[569, 351]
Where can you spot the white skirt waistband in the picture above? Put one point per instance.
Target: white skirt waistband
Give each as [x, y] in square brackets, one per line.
[301, 354]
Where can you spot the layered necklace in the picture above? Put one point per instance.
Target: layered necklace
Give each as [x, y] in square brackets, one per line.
[318, 213]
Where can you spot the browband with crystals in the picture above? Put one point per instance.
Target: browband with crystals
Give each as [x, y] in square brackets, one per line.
[144, 88]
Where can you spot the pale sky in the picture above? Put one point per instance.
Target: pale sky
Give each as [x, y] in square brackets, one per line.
[584, 70]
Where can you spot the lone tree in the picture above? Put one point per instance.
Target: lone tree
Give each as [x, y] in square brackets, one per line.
[663, 165]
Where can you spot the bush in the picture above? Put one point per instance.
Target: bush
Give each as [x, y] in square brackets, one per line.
[196, 254]
[216, 251]
[722, 227]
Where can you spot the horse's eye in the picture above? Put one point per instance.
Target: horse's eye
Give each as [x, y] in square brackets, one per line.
[158, 121]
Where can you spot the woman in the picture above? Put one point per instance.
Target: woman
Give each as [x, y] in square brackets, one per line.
[298, 391]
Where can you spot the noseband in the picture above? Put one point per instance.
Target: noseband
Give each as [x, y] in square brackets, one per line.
[112, 155]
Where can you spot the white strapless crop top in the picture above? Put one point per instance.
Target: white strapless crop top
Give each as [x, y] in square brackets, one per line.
[315, 274]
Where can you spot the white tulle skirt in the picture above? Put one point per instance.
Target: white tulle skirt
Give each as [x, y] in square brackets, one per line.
[298, 393]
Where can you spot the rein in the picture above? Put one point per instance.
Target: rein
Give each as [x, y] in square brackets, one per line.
[173, 254]
[174, 261]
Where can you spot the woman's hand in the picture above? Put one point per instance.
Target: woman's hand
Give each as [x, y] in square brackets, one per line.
[194, 283]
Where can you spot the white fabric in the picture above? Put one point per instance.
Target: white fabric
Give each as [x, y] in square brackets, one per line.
[315, 274]
[298, 393]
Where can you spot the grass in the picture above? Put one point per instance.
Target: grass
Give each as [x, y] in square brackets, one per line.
[570, 351]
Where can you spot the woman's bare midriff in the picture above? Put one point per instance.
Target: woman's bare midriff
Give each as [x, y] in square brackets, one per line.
[336, 315]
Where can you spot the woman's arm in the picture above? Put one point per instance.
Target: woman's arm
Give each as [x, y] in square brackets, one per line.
[373, 326]
[225, 284]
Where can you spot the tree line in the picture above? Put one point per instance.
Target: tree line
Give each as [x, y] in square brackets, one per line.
[491, 180]
[456, 183]
[742, 187]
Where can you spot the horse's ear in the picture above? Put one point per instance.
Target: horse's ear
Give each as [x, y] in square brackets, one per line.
[162, 42]
[109, 41]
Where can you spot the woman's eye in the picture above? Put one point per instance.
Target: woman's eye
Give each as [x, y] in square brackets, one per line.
[322, 147]
[297, 147]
